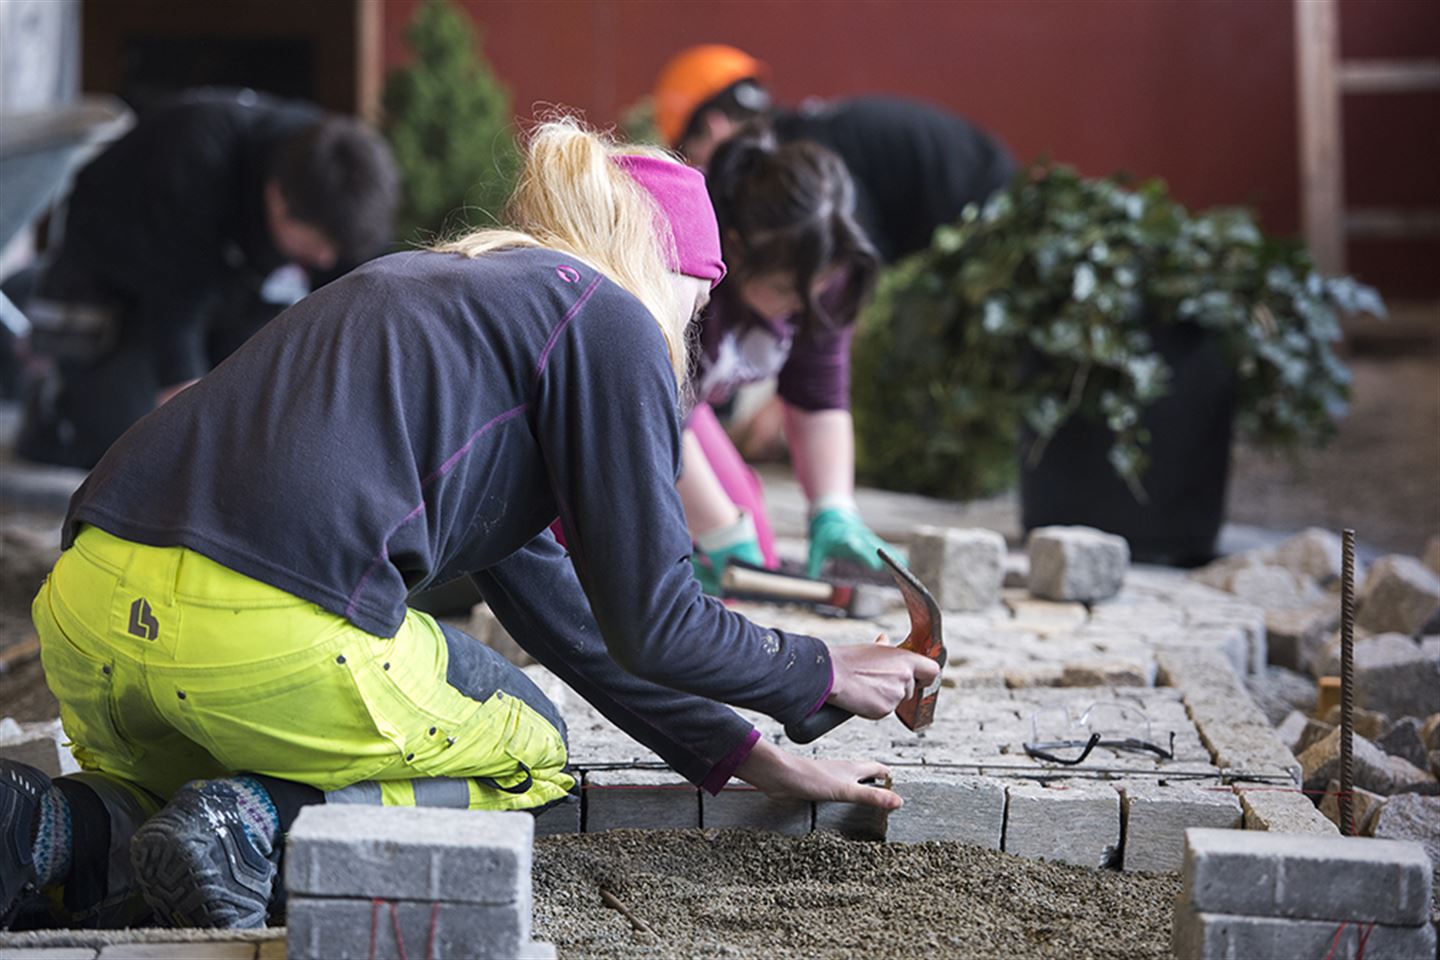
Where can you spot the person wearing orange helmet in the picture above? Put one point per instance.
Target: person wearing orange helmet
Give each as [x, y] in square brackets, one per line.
[809, 202]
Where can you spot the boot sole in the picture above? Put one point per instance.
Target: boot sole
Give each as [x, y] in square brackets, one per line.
[196, 872]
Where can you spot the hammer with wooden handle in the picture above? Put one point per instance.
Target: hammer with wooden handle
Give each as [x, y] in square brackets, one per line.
[925, 639]
[744, 581]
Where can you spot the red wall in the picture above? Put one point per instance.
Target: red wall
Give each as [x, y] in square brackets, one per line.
[1200, 93]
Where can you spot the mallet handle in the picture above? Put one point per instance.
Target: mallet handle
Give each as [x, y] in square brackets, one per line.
[818, 724]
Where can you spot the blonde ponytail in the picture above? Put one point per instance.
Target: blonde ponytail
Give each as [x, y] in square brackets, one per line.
[571, 197]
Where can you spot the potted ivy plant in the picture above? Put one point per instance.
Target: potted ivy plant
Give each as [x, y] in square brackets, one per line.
[1107, 343]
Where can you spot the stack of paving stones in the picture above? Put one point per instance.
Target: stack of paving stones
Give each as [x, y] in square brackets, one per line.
[392, 882]
[1396, 749]
[1099, 636]
[1295, 896]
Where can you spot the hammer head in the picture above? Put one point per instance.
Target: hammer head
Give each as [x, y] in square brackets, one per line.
[925, 639]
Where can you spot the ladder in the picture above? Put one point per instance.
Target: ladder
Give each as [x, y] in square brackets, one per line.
[1322, 80]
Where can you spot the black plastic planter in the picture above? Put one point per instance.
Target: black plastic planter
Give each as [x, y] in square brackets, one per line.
[1189, 449]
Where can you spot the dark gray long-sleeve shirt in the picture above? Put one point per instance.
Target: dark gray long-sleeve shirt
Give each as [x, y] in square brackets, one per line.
[428, 416]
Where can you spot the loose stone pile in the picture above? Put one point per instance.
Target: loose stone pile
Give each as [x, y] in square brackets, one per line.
[1293, 896]
[392, 882]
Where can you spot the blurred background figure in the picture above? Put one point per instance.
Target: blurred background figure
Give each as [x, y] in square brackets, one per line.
[915, 166]
[172, 249]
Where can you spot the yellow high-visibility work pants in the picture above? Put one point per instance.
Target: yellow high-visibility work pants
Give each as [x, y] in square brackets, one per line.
[170, 667]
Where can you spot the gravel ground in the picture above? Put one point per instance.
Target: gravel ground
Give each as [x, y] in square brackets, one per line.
[740, 894]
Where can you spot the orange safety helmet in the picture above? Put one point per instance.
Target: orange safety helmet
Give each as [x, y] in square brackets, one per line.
[694, 76]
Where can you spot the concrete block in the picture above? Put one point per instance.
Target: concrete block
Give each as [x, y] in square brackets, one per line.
[41, 745]
[1404, 740]
[640, 800]
[1076, 563]
[963, 568]
[1296, 638]
[1074, 822]
[460, 856]
[742, 807]
[1156, 817]
[563, 817]
[1283, 810]
[944, 806]
[1306, 877]
[203, 950]
[1400, 595]
[1217, 936]
[343, 929]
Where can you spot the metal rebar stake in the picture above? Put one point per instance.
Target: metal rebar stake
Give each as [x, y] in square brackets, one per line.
[1347, 681]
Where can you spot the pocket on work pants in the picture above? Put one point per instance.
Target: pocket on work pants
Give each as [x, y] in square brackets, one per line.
[80, 672]
[490, 735]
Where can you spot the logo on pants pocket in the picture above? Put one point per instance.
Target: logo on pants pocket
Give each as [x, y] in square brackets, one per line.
[142, 622]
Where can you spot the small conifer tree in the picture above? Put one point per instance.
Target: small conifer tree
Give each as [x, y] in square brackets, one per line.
[449, 124]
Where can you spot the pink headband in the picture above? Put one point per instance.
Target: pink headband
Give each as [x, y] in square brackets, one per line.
[680, 193]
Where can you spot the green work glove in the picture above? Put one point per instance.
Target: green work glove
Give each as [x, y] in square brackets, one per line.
[838, 533]
[715, 549]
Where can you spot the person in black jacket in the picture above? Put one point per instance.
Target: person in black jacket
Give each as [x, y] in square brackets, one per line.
[169, 238]
[915, 166]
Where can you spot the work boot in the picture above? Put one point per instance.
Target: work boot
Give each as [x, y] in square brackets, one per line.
[22, 788]
[199, 865]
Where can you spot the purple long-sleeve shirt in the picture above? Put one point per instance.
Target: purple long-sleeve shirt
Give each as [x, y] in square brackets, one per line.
[427, 416]
[739, 346]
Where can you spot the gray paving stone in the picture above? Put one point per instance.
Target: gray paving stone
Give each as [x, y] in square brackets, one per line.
[342, 929]
[1272, 588]
[1291, 729]
[461, 856]
[47, 953]
[1414, 818]
[1283, 810]
[1400, 595]
[963, 568]
[851, 820]
[1404, 740]
[1216, 936]
[940, 805]
[641, 800]
[41, 745]
[1305, 877]
[178, 951]
[1156, 817]
[1296, 638]
[1369, 764]
[1314, 552]
[742, 807]
[1395, 675]
[564, 817]
[1074, 822]
[1076, 563]
[1363, 806]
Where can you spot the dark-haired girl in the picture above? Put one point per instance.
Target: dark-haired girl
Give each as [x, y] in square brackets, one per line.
[801, 266]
